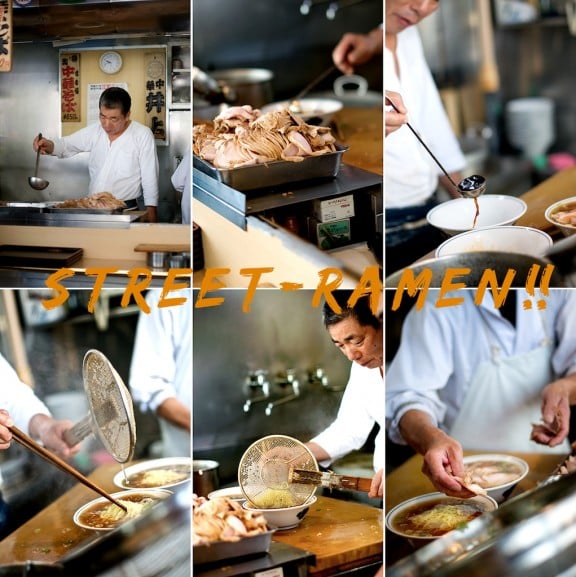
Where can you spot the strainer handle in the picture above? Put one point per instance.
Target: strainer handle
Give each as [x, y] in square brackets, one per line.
[79, 431]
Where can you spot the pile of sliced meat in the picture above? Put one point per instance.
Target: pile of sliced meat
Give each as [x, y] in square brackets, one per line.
[99, 200]
[222, 519]
[244, 136]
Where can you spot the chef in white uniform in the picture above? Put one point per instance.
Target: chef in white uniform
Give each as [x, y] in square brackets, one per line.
[161, 369]
[477, 377]
[411, 175]
[20, 406]
[357, 332]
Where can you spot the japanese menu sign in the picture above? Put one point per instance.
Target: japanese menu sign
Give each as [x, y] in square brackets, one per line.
[70, 87]
[5, 35]
[155, 87]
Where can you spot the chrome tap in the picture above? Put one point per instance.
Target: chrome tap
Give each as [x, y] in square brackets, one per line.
[284, 380]
[258, 387]
[317, 376]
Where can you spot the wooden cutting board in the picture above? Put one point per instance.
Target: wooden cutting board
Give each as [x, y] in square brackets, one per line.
[341, 534]
[558, 187]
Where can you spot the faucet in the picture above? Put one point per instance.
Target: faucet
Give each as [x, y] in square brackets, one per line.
[284, 380]
[317, 376]
[258, 387]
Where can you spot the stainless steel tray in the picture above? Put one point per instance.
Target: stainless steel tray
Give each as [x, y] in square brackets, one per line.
[52, 207]
[224, 550]
[275, 173]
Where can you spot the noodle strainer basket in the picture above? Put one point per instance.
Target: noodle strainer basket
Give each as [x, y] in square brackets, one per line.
[264, 472]
[111, 416]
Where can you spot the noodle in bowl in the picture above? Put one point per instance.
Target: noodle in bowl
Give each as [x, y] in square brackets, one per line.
[433, 515]
[155, 474]
[283, 517]
[103, 515]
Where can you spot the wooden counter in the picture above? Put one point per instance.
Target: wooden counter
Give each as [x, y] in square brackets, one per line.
[343, 535]
[52, 533]
[110, 248]
[408, 481]
[362, 130]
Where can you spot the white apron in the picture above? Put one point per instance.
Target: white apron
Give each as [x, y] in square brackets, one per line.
[503, 401]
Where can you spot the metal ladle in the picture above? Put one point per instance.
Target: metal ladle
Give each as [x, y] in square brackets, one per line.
[34, 181]
[470, 187]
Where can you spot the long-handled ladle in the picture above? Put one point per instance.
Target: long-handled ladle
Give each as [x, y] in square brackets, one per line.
[470, 187]
[35, 181]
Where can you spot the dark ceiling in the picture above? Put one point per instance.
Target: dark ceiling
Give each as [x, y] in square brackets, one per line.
[55, 20]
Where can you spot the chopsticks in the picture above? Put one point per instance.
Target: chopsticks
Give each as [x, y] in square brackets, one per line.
[39, 450]
[313, 83]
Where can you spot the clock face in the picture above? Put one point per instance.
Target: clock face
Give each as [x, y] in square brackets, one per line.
[155, 69]
[110, 62]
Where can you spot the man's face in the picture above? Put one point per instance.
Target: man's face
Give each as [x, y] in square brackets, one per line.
[403, 13]
[361, 344]
[113, 121]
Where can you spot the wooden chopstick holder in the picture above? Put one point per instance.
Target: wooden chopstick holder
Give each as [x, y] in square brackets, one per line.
[39, 450]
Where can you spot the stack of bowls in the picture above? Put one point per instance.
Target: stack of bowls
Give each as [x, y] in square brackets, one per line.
[530, 125]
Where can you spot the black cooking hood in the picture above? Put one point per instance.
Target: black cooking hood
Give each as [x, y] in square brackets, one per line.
[48, 20]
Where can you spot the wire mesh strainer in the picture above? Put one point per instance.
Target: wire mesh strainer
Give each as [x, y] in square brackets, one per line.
[111, 415]
[264, 472]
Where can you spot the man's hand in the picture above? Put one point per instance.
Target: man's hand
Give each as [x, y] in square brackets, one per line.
[151, 214]
[394, 119]
[51, 434]
[377, 486]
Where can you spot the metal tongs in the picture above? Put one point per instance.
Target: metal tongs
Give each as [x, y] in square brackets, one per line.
[329, 480]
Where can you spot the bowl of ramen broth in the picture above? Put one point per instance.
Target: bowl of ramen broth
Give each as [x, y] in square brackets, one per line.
[431, 516]
[497, 474]
[562, 215]
[155, 474]
[103, 515]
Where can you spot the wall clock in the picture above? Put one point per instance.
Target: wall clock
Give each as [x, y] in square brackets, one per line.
[110, 62]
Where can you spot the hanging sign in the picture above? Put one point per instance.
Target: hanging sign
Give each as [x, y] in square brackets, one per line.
[5, 35]
[155, 87]
[70, 87]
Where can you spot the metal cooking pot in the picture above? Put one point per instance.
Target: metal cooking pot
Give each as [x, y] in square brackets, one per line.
[205, 477]
[478, 262]
[251, 85]
[352, 91]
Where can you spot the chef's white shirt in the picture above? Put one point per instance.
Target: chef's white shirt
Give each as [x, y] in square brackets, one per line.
[442, 346]
[18, 398]
[181, 182]
[126, 167]
[361, 407]
[411, 176]
[161, 365]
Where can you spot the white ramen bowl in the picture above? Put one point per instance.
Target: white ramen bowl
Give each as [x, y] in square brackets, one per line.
[79, 515]
[502, 491]
[232, 493]
[509, 239]
[565, 229]
[486, 503]
[285, 517]
[457, 215]
[318, 111]
[120, 478]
